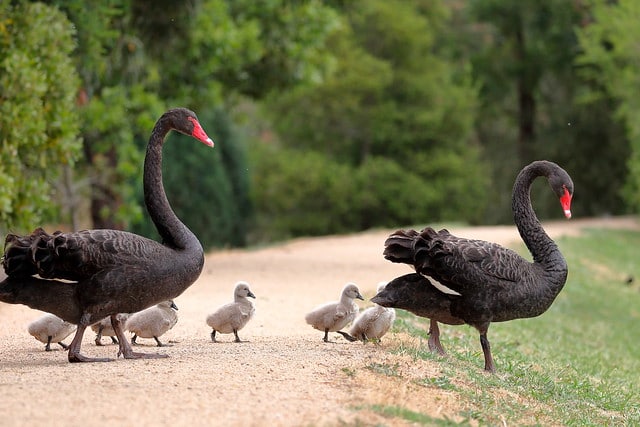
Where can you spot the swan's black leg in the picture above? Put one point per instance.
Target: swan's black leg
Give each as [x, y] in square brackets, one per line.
[133, 339]
[158, 341]
[47, 347]
[114, 340]
[63, 345]
[74, 348]
[486, 349]
[434, 338]
[213, 336]
[235, 332]
[326, 335]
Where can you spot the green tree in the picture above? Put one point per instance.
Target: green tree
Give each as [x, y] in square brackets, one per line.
[611, 59]
[38, 119]
[396, 113]
[523, 56]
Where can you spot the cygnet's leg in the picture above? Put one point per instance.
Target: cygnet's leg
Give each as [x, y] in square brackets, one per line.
[347, 336]
[47, 347]
[213, 336]
[63, 345]
[99, 336]
[158, 341]
[125, 348]
[74, 348]
[133, 339]
[235, 332]
[114, 340]
[434, 338]
[326, 335]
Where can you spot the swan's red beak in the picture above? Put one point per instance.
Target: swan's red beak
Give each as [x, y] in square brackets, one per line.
[565, 202]
[199, 133]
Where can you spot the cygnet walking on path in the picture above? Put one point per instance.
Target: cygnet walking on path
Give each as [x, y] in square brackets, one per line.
[333, 316]
[232, 317]
[50, 328]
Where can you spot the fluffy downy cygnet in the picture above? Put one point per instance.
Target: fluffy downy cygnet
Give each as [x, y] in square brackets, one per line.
[152, 322]
[50, 328]
[333, 316]
[374, 322]
[232, 317]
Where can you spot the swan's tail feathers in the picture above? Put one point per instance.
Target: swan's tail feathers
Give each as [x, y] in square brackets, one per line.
[29, 255]
[400, 246]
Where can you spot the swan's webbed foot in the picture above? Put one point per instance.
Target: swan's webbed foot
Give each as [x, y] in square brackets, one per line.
[79, 358]
[130, 354]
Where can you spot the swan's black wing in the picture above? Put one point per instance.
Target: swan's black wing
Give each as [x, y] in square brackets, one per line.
[75, 256]
[460, 264]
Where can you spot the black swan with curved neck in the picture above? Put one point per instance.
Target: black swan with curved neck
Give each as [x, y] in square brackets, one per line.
[88, 275]
[480, 282]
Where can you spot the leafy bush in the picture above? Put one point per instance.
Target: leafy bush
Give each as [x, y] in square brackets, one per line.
[38, 120]
[299, 193]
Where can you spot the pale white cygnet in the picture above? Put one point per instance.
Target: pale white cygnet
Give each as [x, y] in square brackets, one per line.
[50, 328]
[232, 317]
[374, 322]
[333, 316]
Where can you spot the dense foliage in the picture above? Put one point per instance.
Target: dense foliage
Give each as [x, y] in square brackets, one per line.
[328, 116]
[38, 124]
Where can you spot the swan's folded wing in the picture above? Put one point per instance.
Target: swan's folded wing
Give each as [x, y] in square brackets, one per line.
[460, 262]
[75, 256]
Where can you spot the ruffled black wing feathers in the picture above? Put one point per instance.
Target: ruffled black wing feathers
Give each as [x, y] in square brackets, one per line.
[458, 263]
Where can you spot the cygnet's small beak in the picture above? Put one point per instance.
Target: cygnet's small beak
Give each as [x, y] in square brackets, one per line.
[250, 294]
[174, 306]
[359, 296]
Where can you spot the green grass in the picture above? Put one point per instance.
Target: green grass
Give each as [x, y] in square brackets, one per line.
[578, 364]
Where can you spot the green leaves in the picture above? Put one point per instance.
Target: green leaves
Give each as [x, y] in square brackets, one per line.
[38, 122]
[610, 57]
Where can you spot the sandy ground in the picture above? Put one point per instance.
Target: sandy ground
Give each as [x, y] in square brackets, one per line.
[283, 375]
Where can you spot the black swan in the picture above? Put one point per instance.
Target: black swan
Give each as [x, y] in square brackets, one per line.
[480, 282]
[85, 276]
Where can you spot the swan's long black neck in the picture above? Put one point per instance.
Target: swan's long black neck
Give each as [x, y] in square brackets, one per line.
[173, 232]
[544, 250]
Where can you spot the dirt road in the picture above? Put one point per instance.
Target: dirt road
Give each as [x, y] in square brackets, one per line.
[284, 375]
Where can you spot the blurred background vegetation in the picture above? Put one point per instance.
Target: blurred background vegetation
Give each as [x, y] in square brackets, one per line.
[328, 116]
